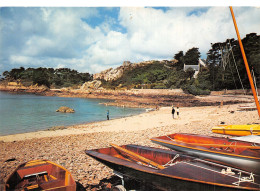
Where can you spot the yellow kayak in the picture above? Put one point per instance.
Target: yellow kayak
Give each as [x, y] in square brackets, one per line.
[237, 130]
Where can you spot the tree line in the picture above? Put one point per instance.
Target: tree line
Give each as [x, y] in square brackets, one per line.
[226, 65]
[57, 78]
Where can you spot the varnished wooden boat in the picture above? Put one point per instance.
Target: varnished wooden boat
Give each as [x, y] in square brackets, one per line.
[237, 130]
[169, 170]
[40, 175]
[240, 154]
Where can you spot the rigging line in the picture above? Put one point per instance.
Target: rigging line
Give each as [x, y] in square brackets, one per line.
[233, 176]
[236, 67]
[253, 75]
[222, 58]
[223, 166]
[228, 61]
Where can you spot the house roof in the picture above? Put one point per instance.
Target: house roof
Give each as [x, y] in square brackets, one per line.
[194, 67]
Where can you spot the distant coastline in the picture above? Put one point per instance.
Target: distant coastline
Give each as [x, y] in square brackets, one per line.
[140, 98]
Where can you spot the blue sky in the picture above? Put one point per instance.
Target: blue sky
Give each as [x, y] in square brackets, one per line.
[92, 39]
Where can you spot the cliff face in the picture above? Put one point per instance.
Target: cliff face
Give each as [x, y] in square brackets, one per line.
[113, 74]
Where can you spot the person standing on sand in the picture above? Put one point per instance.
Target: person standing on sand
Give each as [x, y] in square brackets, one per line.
[178, 112]
[173, 111]
[107, 114]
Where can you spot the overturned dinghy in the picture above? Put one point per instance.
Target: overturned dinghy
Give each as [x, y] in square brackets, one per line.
[40, 175]
[238, 154]
[168, 170]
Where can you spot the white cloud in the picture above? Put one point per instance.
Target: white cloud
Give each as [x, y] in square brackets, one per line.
[155, 32]
[65, 37]
[19, 59]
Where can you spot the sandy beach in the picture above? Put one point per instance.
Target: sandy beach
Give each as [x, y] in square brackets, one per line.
[67, 146]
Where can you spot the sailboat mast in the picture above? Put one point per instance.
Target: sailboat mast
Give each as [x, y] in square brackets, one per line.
[245, 61]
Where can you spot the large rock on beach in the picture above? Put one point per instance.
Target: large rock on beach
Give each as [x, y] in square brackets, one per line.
[64, 109]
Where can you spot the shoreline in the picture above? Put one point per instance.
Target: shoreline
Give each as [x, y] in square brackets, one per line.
[67, 147]
[139, 98]
[113, 125]
[91, 127]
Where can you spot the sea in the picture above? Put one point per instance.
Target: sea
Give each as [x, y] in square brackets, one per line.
[21, 113]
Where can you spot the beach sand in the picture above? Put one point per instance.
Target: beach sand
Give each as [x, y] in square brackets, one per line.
[67, 146]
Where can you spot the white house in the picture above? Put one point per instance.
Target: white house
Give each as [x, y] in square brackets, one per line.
[195, 67]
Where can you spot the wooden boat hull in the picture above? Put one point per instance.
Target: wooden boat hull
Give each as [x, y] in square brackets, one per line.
[187, 173]
[40, 175]
[245, 159]
[237, 130]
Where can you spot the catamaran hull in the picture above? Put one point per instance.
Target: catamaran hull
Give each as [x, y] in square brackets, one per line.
[247, 164]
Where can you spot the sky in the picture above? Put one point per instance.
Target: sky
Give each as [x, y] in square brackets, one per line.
[93, 39]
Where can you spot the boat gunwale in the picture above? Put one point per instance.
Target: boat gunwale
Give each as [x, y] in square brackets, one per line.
[225, 129]
[187, 145]
[204, 150]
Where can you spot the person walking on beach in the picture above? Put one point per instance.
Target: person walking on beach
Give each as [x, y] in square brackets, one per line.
[178, 112]
[173, 111]
[107, 114]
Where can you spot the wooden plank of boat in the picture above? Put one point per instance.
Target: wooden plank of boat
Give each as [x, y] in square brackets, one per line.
[40, 175]
[237, 130]
[143, 159]
[181, 172]
[209, 148]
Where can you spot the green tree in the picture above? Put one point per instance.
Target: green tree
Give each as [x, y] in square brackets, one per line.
[40, 77]
[226, 63]
[15, 73]
[192, 56]
[190, 73]
[6, 75]
[180, 58]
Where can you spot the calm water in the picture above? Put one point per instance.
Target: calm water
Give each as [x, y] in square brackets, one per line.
[21, 113]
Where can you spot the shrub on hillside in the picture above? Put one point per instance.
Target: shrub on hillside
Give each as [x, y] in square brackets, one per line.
[194, 90]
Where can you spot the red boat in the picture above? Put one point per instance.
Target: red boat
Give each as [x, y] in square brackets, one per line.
[40, 175]
[169, 170]
[238, 154]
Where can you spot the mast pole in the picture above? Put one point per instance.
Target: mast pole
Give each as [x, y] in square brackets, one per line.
[246, 63]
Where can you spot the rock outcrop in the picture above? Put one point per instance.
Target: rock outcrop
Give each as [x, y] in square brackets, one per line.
[64, 109]
[113, 74]
[92, 85]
